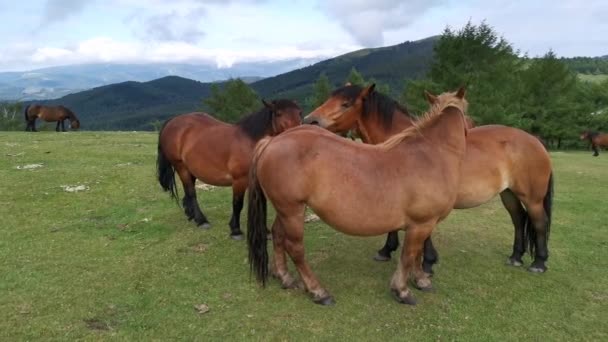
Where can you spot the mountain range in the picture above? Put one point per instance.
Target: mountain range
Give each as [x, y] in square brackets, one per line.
[55, 82]
[135, 105]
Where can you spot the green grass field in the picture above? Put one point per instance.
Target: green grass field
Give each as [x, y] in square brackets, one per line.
[593, 78]
[119, 261]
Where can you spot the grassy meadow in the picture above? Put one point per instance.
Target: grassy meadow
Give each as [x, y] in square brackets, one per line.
[119, 261]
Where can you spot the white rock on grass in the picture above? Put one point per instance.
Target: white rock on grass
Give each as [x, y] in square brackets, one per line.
[75, 188]
[204, 187]
[29, 166]
[311, 218]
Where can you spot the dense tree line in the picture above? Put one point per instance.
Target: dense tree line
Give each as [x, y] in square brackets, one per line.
[542, 96]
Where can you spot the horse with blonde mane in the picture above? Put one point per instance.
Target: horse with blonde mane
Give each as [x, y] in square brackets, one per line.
[498, 160]
[408, 183]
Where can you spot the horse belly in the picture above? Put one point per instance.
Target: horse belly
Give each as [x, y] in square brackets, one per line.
[359, 216]
[479, 188]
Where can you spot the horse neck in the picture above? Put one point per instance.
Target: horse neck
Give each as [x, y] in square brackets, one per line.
[373, 131]
[447, 131]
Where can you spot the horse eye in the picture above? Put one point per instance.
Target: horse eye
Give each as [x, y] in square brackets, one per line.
[345, 104]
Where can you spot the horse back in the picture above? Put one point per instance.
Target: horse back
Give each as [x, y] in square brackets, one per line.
[211, 149]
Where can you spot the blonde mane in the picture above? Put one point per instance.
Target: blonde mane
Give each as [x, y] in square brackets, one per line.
[442, 102]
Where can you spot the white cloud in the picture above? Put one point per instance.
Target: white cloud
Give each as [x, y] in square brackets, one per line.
[107, 50]
[368, 20]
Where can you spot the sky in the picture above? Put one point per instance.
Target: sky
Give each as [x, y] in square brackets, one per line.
[42, 33]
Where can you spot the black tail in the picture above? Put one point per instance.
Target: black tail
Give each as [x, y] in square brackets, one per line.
[529, 231]
[25, 112]
[256, 227]
[165, 171]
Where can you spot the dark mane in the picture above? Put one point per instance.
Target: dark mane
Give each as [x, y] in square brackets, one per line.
[256, 125]
[71, 114]
[377, 102]
[591, 134]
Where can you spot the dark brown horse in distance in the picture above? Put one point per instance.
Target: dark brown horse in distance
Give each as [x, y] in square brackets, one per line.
[50, 114]
[198, 146]
[596, 139]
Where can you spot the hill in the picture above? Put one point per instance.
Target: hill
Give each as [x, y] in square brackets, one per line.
[55, 82]
[134, 105]
[390, 65]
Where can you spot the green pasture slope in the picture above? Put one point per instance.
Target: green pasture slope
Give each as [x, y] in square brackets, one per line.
[120, 262]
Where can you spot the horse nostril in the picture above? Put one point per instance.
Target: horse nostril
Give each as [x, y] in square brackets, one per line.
[315, 122]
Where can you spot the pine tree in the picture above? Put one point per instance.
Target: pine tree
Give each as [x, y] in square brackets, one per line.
[232, 100]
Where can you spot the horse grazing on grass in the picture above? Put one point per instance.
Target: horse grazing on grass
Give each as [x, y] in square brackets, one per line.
[409, 182]
[50, 114]
[498, 160]
[596, 139]
[198, 146]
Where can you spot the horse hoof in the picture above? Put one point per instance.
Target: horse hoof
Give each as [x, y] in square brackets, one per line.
[408, 298]
[513, 262]
[237, 237]
[537, 269]
[292, 285]
[205, 225]
[428, 269]
[428, 288]
[326, 301]
[380, 257]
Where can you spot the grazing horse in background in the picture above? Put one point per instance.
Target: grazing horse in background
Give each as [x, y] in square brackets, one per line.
[596, 139]
[498, 160]
[50, 114]
[198, 146]
[409, 182]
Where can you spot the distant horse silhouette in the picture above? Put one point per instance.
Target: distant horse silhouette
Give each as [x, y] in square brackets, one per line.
[596, 139]
[197, 146]
[50, 114]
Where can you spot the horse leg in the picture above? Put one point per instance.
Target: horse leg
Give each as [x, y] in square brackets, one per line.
[57, 127]
[191, 208]
[518, 217]
[540, 236]
[279, 266]
[595, 150]
[409, 264]
[34, 126]
[63, 125]
[430, 256]
[238, 195]
[293, 225]
[391, 245]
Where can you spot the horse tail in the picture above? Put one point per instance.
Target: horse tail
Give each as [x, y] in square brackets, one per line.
[164, 169]
[548, 204]
[25, 112]
[256, 220]
[529, 231]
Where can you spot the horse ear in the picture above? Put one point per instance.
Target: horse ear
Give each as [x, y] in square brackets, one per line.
[461, 92]
[430, 98]
[268, 105]
[368, 91]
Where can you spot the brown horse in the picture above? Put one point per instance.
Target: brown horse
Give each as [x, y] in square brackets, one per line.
[596, 139]
[197, 146]
[498, 160]
[50, 114]
[409, 182]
